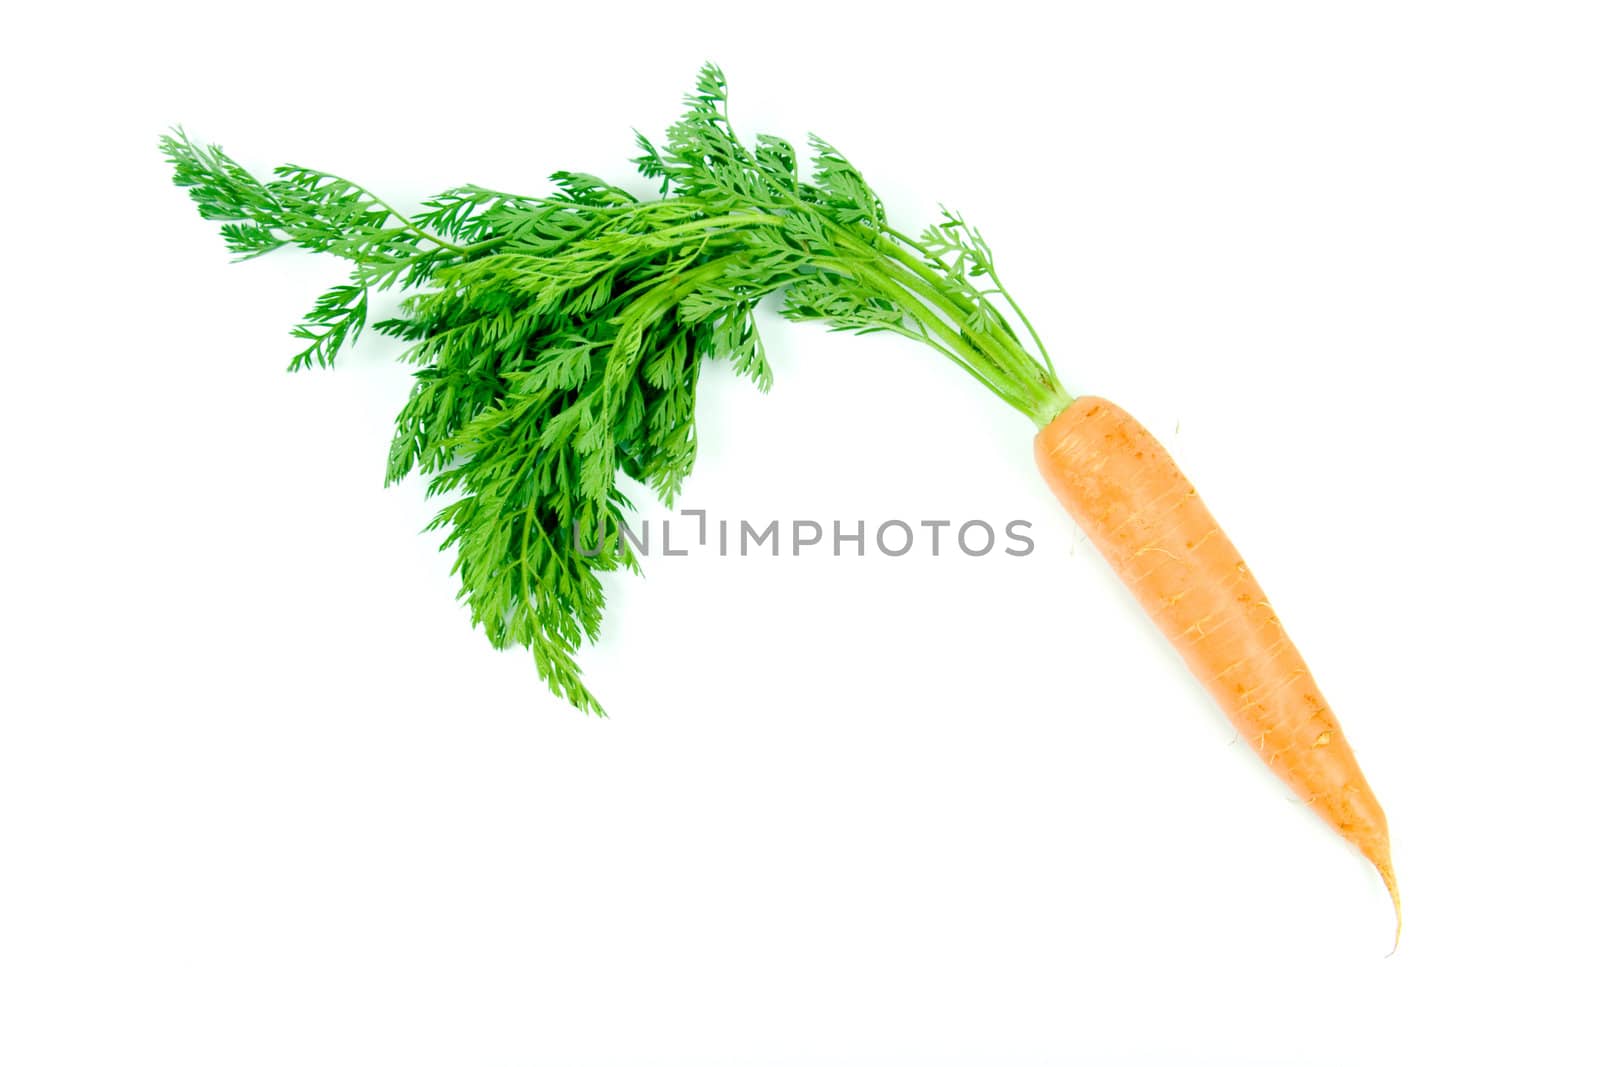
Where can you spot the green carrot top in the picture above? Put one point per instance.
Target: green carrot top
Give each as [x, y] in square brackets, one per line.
[558, 339]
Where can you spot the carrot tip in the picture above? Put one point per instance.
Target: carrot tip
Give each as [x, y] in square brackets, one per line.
[1386, 872]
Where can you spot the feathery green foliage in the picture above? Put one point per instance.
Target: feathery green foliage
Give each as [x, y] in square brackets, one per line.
[558, 339]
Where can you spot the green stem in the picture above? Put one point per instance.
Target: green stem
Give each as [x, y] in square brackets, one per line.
[1053, 398]
[937, 290]
[951, 304]
[731, 220]
[1031, 386]
[1003, 386]
[408, 224]
[919, 263]
[922, 336]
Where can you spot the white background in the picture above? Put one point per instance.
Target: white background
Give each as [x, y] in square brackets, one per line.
[265, 798]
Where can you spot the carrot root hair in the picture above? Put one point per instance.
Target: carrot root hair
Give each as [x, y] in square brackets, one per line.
[1386, 872]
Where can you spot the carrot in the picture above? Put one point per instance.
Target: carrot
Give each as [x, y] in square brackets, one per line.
[1137, 508]
[557, 342]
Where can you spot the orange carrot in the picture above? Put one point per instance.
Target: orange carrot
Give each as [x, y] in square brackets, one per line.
[1126, 493]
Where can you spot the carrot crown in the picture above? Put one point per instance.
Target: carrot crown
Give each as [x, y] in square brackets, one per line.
[558, 339]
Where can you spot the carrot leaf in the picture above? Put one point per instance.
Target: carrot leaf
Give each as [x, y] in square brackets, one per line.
[557, 340]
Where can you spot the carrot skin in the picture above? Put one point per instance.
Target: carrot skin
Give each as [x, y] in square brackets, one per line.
[1137, 508]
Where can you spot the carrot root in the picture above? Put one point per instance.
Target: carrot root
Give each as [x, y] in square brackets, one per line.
[1137, 508]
